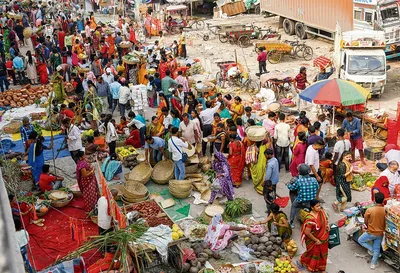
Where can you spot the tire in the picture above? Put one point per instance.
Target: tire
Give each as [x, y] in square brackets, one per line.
[257, 9]
[288, 26]
[199, 25]
[219, 80]
[244, 41]
[300, 30]
[298, 51]
[252, 86]
[274, 56]
[232, 40]
[222, 38]
[206, 37]
[308, 53]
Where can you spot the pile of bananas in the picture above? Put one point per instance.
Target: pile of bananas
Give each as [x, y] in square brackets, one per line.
[126, 151]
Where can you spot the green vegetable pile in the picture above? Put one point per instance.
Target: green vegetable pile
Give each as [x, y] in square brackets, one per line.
[237, 207]
[358, 181]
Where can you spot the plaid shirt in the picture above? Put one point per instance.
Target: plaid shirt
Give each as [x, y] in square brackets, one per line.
[306, 188]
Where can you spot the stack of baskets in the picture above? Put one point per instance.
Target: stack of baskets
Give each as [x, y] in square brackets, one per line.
[134, 192]
[141, 173]
[180, 188]
[162, 172]
[256, 133]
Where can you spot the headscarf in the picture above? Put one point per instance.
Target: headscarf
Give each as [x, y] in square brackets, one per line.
[214, 230]
[381, 188]
[220, 162]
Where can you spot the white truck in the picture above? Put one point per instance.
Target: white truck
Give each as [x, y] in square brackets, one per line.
[360, 57]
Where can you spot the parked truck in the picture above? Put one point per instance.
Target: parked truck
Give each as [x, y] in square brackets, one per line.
[360, 57]
[311, 17]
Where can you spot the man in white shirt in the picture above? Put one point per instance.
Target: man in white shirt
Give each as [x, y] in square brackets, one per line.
[111, 134]
[73, 139]
[124, 96]
[175, 145]
[392, 154]
[187, 129]
[312, 160]
[103, 218]
[342, 145]
[207, 117]
[282, 138]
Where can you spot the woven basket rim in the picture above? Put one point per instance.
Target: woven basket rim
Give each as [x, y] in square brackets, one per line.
[165, 167]
[137, 172]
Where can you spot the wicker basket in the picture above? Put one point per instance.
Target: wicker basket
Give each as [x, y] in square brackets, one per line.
[180, 194]
[256, 133]
[61, 203]
[12, 127]
[84, 70]
[180, 185]
[127, 200]
[41, 214]
[376, 144]
[382, 134]
[27, 32]
[192, 168]
[77, 193]
[141, 173]
[125, 45]
[134, 190]
[162, 172]
[129, 61]
[119, 188]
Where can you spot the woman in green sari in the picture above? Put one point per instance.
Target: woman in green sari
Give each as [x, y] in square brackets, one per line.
[257, 169]
[277, 222]
[58, 86]
[7, 43]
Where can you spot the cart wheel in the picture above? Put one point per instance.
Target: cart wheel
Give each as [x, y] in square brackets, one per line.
[199, 25]
[367, 131]
[206, 37]
[222, 38]
[232, 40]
[252, 86]
[244, 41]
[308, 53]
[219, 79]
[299, 51]
[274, 56]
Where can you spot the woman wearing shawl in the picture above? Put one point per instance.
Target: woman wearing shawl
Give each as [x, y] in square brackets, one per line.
[111, 167]
[344, 177]
[236, 159]
[315, 233]
[219, 235]
[279, 219]
[299, 154]
[36, 158]
[87, 182]
[237, 108]
[381, 185]
[257, 168]
[155, 128]
[301, 127]
[223, 175]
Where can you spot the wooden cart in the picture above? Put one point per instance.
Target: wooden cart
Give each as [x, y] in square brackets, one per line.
[275, 49]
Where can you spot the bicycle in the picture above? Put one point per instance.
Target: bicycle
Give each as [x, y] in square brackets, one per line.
[245, 84]
[301, 50]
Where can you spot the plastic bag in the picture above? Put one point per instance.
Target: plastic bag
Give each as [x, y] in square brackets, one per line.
[243, 252]
[334, 236]
[352, 226]
[384, 243]
[215, 186]
[274, 230]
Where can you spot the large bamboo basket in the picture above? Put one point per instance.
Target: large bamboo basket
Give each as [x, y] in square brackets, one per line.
[180, 185]
[134, 190]
[141, 173]
[162, 172]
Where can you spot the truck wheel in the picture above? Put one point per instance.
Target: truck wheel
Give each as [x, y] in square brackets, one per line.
[300, 30]
[288, 26]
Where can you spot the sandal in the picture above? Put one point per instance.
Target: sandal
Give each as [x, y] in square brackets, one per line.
[300, 266]
[335, 207]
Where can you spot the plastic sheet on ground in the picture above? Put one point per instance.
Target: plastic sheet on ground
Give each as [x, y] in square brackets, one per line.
[177, 212]
[19, 113]
[160, 237]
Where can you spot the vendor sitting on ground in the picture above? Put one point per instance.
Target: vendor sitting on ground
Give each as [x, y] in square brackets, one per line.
[392, 153]
[134, 137]
[111, 168]
[381, 185]
[277, 222]
[122, 125]
[219, 235]
[93, 151]
[49, 181]
[99, 140]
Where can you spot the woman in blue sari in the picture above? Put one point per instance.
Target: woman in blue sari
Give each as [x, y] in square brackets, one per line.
[36, 158]
[111, 167]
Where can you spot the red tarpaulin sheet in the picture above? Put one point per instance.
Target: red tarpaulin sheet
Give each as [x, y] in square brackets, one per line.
[322, 62]
[54, 240]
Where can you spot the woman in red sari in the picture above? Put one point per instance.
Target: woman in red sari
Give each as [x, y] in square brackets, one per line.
[315, 233]
[42, 67]
[163, 67]
[299, 154]
[172, 65]
[236, 159]
[87, 182]
[132, 35]
[381, 185]
[134, 138]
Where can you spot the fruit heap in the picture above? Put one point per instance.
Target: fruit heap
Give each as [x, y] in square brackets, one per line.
[283, 266]
[177, 232]
[125, 151]
[24, 97]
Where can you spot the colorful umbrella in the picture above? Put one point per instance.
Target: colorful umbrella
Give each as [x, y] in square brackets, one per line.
[335, 92]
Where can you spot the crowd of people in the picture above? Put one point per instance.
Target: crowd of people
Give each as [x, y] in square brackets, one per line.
[71, 46]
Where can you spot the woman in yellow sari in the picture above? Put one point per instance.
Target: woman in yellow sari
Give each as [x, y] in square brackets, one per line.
[257, 169]
[93, 24]
[142, 79]
[154, 128]
[237, 108]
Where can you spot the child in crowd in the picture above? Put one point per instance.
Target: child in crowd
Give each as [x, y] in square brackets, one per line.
[269, 193]
[326, 166]
[122, 125]
[290, 245]
[324, 124]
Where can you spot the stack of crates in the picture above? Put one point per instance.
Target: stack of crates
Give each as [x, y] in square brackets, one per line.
[373, 154]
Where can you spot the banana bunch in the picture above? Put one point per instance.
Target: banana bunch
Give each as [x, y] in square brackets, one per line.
[125, 151]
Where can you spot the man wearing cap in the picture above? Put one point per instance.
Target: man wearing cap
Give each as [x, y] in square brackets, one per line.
[392, 174]
[392, 154]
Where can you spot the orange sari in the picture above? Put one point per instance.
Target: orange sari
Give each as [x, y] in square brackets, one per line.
[236, 161]
[327, 171]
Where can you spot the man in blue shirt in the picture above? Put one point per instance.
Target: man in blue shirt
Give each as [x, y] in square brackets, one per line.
[157, 144]
[114, 90]
[306, 188]
[272, 170]
[352, 125]
[18, 64]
